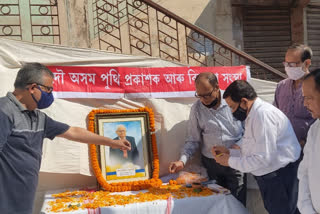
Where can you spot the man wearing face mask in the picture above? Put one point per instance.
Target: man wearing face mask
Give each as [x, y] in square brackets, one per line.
[288, 96]
[23, 129]
[269, 148]
[211, 124]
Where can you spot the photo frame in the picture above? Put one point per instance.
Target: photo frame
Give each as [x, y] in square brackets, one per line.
[118, 170]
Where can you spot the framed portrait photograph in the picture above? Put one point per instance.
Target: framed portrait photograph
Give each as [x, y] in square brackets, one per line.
[124, 166]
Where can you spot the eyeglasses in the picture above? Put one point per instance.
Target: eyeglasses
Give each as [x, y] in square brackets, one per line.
[206, 96]
[291, 64]
[48, 89]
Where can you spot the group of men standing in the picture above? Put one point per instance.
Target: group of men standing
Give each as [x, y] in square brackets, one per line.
[240, 134]
[245, 134]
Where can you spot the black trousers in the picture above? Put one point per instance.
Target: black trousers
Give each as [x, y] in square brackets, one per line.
[227, 177]
[279, 189]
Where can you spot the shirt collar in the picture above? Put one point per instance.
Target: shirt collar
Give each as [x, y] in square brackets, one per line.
[16, 102]
[292, 82]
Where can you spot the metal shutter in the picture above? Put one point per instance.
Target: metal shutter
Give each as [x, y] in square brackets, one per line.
[313, 32]
[267, 34]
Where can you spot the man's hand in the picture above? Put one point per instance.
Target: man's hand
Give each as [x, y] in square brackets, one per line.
[176, 166]
[222, 159]
[123, 145]
[218, 150]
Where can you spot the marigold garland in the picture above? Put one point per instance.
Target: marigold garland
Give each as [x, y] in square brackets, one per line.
[70, 201]
[132, 185]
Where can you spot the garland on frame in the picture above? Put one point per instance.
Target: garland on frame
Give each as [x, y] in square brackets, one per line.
[131, 185]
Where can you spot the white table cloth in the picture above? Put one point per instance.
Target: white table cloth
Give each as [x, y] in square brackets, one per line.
[220, 204]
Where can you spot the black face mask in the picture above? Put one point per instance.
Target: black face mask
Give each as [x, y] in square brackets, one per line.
[212, 104]
[240, 114]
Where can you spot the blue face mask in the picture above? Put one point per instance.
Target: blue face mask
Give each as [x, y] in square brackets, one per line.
[45, 101]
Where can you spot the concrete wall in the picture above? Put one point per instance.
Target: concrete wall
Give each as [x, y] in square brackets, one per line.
[298, 23]
[77, 25]
[214, 16]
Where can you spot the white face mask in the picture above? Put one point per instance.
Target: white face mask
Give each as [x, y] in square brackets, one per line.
[295, 73]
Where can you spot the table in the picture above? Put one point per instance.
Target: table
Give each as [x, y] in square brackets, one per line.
[221, 203]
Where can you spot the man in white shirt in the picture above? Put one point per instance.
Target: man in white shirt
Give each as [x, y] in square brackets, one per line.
[309, 173]
[268, 149]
